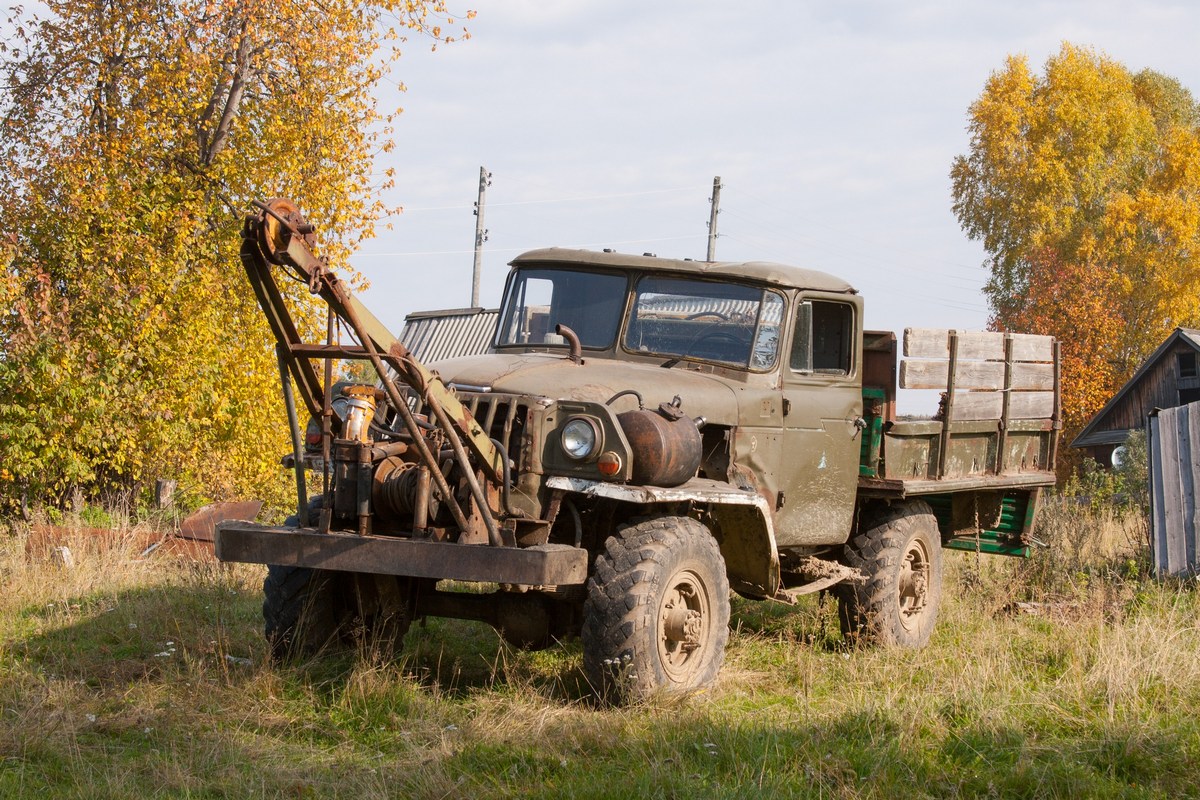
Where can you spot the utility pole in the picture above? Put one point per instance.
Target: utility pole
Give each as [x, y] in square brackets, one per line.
[712, 218]
[481, 235]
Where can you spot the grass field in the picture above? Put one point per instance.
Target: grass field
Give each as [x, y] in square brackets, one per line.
[130, 678]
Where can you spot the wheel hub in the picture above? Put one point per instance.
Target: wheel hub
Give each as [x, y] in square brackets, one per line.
[913, 585]
[684, 621]
[684, 626]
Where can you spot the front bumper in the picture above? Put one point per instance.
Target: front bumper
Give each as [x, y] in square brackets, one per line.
[543, 565]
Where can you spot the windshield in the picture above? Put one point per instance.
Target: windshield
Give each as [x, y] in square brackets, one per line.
[728, 323]
[589, 303]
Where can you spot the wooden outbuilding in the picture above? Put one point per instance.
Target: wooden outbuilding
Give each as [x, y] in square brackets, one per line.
[1170, 377]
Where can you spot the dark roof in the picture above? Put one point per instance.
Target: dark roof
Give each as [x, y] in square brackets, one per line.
[435, 335]
[1089, 436]
[765, 271]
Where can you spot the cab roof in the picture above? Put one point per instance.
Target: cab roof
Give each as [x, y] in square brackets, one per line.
[764, 271]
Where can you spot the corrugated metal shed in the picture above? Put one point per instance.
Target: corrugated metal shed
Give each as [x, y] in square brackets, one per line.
[1174, 441]
[436, 335]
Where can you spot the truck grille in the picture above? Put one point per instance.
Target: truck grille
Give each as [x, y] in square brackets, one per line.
[503, 416]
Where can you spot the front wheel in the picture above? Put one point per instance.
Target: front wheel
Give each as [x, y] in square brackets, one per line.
[656, 618]
[899, 549]
[307, 610]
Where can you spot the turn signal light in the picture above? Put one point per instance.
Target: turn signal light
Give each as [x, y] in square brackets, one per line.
[609, 463]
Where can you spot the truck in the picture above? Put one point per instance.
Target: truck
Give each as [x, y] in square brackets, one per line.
[644, 437]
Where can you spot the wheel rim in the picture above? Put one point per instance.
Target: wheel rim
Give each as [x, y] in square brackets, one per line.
[912, 588]
[684, 625]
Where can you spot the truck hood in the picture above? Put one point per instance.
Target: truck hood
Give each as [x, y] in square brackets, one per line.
[553, 376]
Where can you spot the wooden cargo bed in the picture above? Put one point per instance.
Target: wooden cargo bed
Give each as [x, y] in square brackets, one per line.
[993, 441]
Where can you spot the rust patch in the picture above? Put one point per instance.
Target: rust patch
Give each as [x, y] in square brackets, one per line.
[201, 525]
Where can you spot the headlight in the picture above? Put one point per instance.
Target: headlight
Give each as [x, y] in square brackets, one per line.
[580, 437]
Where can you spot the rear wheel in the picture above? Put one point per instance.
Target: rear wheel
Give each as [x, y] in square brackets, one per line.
[899, 549]
[656, 618]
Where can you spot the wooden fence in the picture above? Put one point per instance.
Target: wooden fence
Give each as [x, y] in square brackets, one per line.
[1174, 442]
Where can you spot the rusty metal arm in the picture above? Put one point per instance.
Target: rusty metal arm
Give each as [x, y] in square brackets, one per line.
[285, 244]
[397, 401]
[280, 235]
[270, 300]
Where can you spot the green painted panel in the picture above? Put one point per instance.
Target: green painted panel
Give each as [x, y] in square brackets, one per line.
[1003, 539]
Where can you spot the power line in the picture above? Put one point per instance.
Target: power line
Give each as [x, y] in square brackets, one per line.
[864, 256]
[956, 303]
[523, 249]
[859, 237]
[582, 199]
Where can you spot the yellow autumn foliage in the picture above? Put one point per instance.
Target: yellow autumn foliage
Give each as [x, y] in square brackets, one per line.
[134, 136]
[1083, 184]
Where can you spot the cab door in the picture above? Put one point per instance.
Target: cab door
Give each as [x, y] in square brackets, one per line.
[822, 415]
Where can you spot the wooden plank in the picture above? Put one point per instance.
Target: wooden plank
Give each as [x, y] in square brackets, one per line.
[1031, 405]
[1189, 474]
[990, 405]
[1032, 347]
[948, 405]
[1157, 470]
[935, 343]
[1172, 554]
[976, 345]
[978, 405]
[975, 375]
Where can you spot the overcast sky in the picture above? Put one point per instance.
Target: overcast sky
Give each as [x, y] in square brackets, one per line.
[832, 126]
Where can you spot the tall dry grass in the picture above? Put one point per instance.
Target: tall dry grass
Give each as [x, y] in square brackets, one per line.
[132, 676]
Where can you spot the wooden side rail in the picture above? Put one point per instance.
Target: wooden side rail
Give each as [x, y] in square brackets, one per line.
[984, 376]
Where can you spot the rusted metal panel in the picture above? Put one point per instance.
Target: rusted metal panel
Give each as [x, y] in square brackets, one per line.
[1174, 440]
[700, 490]
[201, 525]
[544, 565]
[1027, 448]
[437, 335]
[742, 518]
[910, 447]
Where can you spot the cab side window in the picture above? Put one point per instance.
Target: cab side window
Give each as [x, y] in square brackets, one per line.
[824, 340]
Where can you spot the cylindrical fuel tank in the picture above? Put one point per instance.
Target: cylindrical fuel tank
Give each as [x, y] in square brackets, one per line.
[665, 451]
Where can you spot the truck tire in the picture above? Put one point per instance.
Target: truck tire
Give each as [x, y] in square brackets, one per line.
[656, 617]
[301, 612]
[306, 610]
[899, 549]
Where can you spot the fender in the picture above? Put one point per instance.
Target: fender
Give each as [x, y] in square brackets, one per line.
[741, 522]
